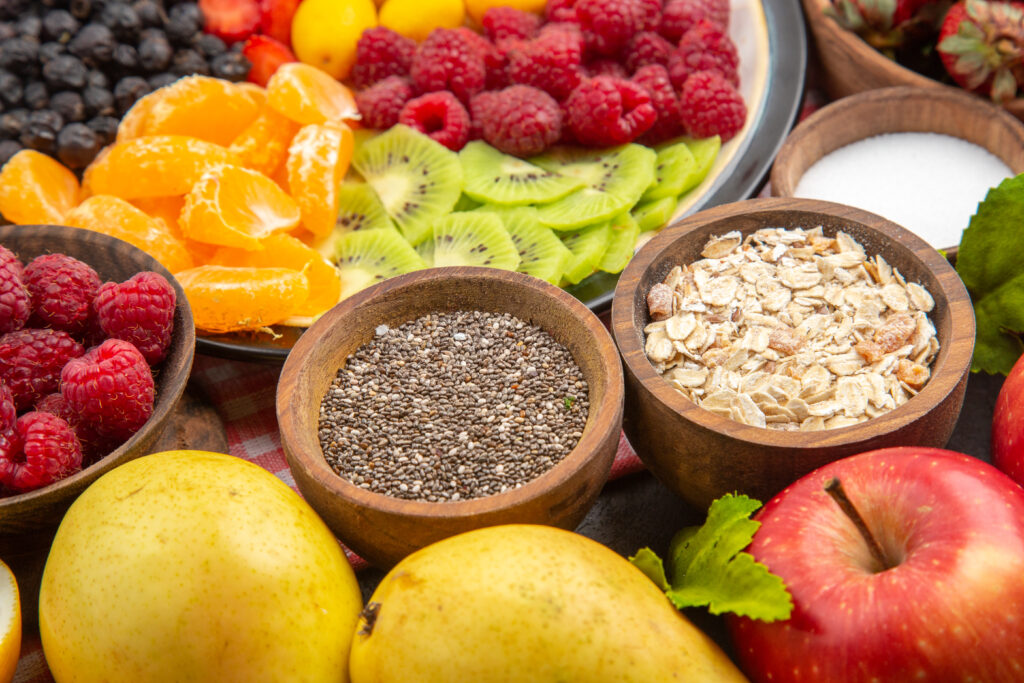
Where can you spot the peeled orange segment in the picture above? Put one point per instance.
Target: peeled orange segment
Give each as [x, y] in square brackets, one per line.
[307, 95]
[116, 217]
[202, 107]
[230, 299]
[153, 166]
[256, 93]
[317, 161]
[10, 623]
[167, 209]
[235, 207]
[263, 145]
[35, 189]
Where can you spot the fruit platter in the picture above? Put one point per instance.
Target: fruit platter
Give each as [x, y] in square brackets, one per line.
[391, 340]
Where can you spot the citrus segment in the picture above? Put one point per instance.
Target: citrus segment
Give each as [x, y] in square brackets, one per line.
[307, 95]
[229, 299]
[116, 217]
[317, 161]
[153, 166]
[263, 145]
[235, 207]
[256, 93]
[202, 107]
[35, 189]
[10, 623]
[167, 209]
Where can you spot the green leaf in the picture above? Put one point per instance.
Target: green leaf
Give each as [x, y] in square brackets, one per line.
[647, 561]
[988, 261]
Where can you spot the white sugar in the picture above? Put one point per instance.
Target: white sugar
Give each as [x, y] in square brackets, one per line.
[928, 183]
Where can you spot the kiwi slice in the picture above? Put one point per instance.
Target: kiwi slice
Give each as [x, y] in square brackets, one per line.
[621, 243]
[365, 257]
[587, 246]
[494, 177]
[360, 209]
[466, 203]
[425, 250]
[472, 238]
[417, 179]
[656, 214]
[542, 254]
[673, 172]
[615, 178]
[704, 151]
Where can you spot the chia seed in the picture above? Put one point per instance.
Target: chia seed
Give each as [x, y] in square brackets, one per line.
[453, 406]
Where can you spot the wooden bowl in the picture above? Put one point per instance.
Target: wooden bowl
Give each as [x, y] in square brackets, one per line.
[384, 529]
[701, 455]
[851, 66]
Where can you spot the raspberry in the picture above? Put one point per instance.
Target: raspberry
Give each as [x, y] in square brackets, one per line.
[447, 61]
[440, 116]
[605, 111]
[710, 105]
[552, 62]
[111, 388]
[508, 22]
[31, 361]
[519, 120]
[382, 102]
[647, 48]
[15, 300]
[607, 67]
[608, 25]
[560, 10]
[654, 78]
[679, 16]
[40, 450]
[62, 289]
[139, 310]
[494, 59]
[94, 446]
[8, 413]
[380, 53]
[705, 47]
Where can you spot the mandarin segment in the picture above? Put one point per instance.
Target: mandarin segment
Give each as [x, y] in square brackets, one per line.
[307, 95]
[263, 145]
[317, 162]
[35, 189]
[167, 209]
[231, 299]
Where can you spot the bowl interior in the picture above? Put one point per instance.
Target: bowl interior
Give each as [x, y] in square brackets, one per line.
[113, 260]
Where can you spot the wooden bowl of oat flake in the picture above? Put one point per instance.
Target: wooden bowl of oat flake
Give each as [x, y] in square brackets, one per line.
[801, 348]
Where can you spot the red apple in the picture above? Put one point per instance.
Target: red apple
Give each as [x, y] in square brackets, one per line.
[943, 601]
[1008, 425]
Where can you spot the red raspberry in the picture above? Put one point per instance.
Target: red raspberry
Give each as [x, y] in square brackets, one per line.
[94, 446]
[40, 450]
[710, 105]
[380, 53]
[654, 79]
[705, 47]
[15, 300]
[508, 22]
[560, 10]
[494, 59]
[608, 25]
[679, 16]
[31, 361]
[440, 116]
[382, 102]
[111, 388]
[607, 67]
[606, 111]
[647, 48]
[447, 61]
[519, 120]
[8, 413]
[552, 62]
[62, 289]
[139, 310]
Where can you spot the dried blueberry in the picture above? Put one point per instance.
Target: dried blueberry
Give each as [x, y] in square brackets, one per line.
[47, 117]
[93, 43]
[12, 123]
[97, 79]
[126, 58]
[155, 52]
[80, 9]
[232, 66]
[11, 91]
[160, 80]
[48, 51]
[187, 62]
[184, 21]
[98, 101]
[8, 148]
[209, 45]
[65, 73]
[69, 105]
[7, 30]
[105, 127]
[38, 136]
[127, 90]
[150, 13]
[122, 19]
[36, 95]
[12, 9]
[19, 55]
[59, 25]
[30, 26]
[77, 145]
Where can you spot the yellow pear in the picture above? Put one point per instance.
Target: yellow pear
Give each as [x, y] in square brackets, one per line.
[195, 566]
[527, 603]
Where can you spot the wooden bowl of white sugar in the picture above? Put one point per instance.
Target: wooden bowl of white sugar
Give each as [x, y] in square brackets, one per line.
[763, 339]
[921, 157]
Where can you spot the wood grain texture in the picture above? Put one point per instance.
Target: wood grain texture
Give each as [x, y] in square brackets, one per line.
[384, 529]
[701, 455]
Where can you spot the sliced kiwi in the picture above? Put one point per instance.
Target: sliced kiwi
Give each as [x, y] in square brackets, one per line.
[615, 178]
[359, 208]
[494, 177]
[466, 203]
[673, 172]
[542, 254]
[472, 238]
[365, 257]
[417, 179]
[704, 151]
[587, 246]
[656, 214]
[621, 243]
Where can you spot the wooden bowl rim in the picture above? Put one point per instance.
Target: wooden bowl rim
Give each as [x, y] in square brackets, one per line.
[942, 383]
[165, 403]
[304, 450]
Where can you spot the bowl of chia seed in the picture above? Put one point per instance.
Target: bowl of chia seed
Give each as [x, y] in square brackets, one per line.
[446, 400]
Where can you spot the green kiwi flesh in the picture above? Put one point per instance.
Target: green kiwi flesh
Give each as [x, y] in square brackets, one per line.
[541, 253]
[673, 171]
[587, 246]
[621, 243]
[365, 257]
[704, 151]
[656, 214]
[491, 176]
[359, 208]
[472, 238]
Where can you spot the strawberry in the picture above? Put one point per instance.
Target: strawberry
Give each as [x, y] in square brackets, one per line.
[231, 20]
[982, 47]
[885, 24]
[266, 54]
[276, 19]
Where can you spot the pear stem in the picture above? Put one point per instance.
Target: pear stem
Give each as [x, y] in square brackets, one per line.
[835, 489]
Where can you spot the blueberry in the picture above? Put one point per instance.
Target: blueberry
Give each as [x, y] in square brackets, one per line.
[59, 25]
[77, 145]
[12, 9]
[80, 9]
[127, 90]
[8, 148]
[184, 21]
[36, 95]
[11, 91]
[126, 58]
[65, 73]
[98, 101]
[97, 79]
[19, 55]
[30, 26]
[150, 13]
[209, 45]
[47, 117]
[93, 43]
[7, 30]
[48, 51]
[189, 62]
[122, 19]
[231, 66]
[160, 80]
[69, 105]
[105, 127]
[12, 123]
[155, 52]
[38, 136]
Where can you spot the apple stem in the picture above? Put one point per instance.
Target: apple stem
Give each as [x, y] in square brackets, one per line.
[835, 489]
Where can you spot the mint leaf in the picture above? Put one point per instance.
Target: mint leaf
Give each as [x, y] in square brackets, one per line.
[647, 561]
[988, 261]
